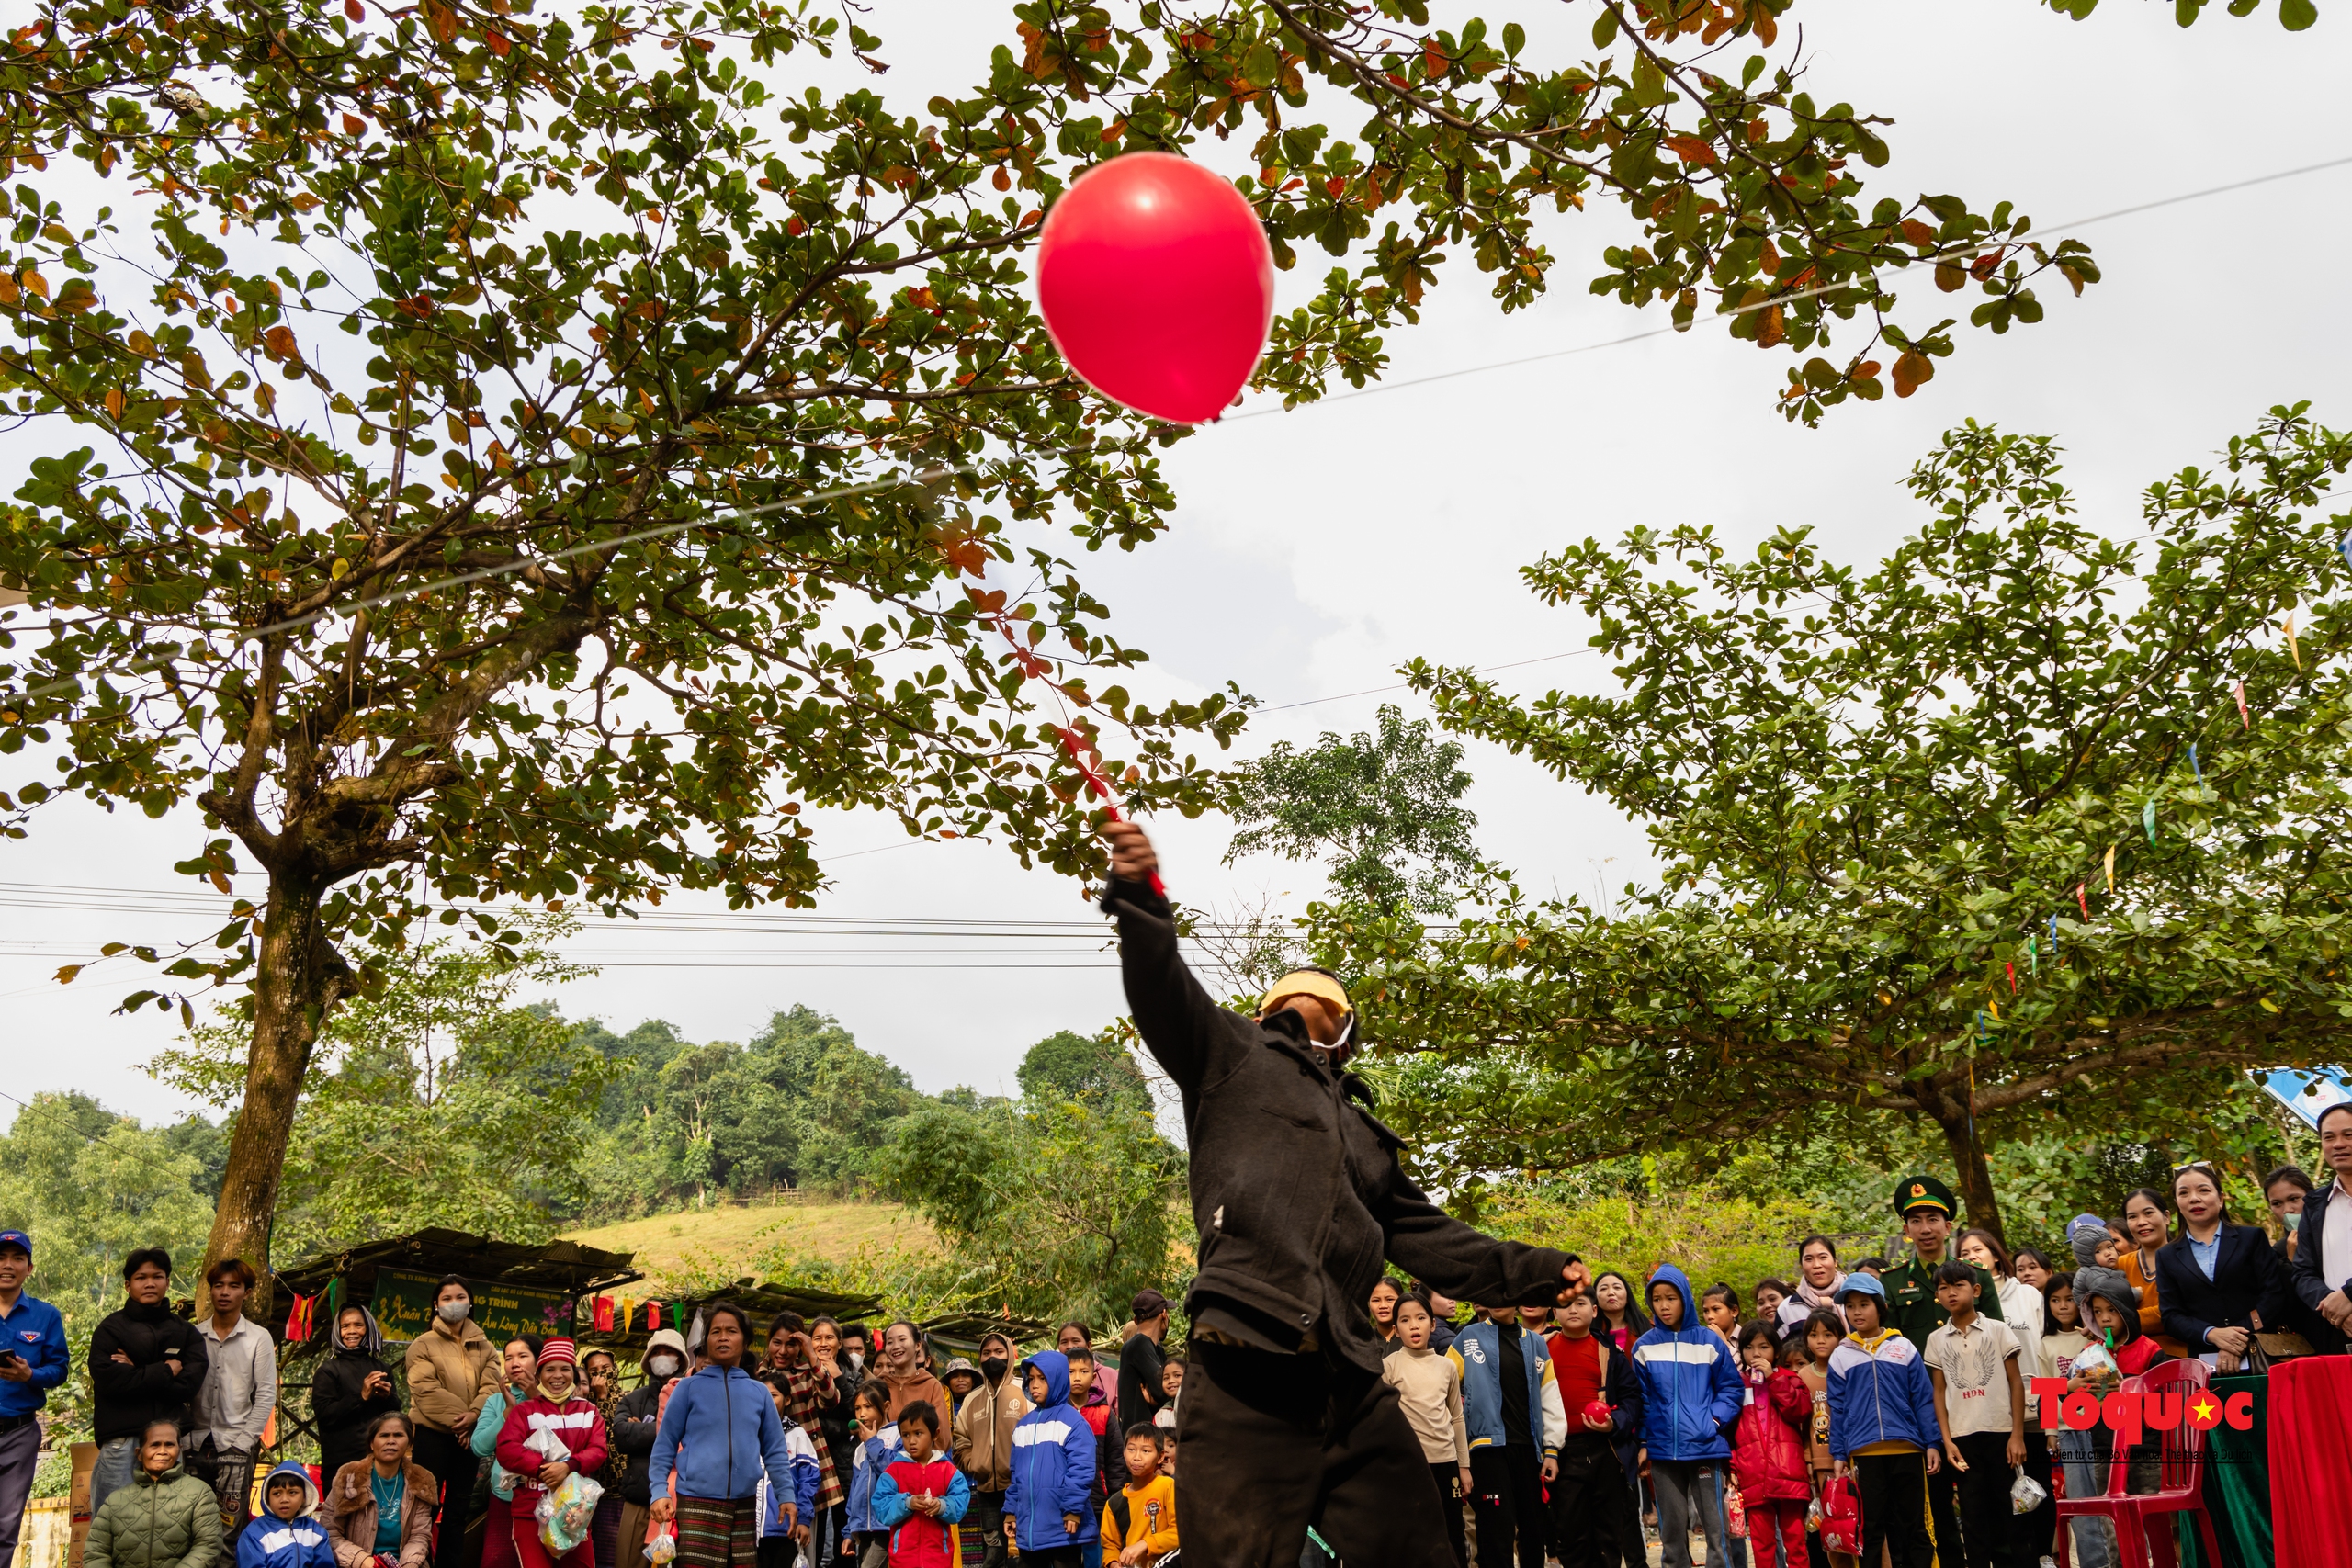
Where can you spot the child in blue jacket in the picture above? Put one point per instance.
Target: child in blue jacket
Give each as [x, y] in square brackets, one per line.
[1046, 1516]
[1883, 1426]
[787, 1516]
[877, 1444]
[287, 1532]
[1691, 1395]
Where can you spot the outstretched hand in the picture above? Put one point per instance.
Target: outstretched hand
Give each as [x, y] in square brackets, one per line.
[1132, 857]
[1575, 1281]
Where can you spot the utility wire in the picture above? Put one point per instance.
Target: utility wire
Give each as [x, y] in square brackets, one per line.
[1953, 253]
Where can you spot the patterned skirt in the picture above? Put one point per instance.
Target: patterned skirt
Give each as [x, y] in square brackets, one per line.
[717, 1532]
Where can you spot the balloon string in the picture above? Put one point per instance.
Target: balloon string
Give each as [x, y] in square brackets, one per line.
[1034, 668]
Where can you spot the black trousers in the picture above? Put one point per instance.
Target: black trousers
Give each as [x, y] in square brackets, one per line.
[1448, 1476]
[1275, 1443]
[1943, 1507]
[1988, 1529]
[1894, 1511]
[453, 1467]
[1506, 1500]
[1592, 1513]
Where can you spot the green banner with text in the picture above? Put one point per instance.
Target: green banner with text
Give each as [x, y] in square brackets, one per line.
[403, 1306]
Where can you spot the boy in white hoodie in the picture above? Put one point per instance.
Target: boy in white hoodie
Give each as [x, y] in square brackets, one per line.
[1428, 1386]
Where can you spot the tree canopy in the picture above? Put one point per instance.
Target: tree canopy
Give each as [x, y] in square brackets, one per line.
[494, 454]
[2031, 819]
[1383, 812]
[1085, 1069]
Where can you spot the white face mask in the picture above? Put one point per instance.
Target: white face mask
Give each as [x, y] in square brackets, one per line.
[454, 1311]
[663, 1366]
[857, 1359]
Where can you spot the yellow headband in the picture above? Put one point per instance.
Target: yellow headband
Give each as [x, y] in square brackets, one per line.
[1306, 983]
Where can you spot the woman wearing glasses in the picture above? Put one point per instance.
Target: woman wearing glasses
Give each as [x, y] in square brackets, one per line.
[2220, 1282]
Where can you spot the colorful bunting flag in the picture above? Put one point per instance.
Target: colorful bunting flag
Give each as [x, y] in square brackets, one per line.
[604, 1314]
[2244, 722]
[2292, 651]
[2012, 968]
[2032, 956]
[2192, 763]
[2148, 818]
[2111, 868]
[2082, 896]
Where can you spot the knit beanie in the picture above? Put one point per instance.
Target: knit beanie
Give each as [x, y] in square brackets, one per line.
[2118, 1292]
[2086, 1234]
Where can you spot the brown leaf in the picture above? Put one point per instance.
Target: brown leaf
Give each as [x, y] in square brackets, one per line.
[1911, 371]
[1918, 233]
[1771, 330]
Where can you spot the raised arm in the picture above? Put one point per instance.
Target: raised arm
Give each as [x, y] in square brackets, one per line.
[1180, 1025]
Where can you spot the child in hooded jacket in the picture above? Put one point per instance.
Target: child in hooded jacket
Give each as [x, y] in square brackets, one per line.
[286, 1533]
[1047, 1513]
[1691, 1393]
[1768, 1452]
[1883, 1426]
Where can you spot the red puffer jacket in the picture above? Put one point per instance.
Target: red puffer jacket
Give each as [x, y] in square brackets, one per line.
[1768, 1453]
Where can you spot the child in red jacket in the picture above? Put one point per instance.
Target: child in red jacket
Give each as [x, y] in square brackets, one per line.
[1768, 1453]
[556, 1418]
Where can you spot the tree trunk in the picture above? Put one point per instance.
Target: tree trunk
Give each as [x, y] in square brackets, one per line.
[1975, 1177]
[298, 979]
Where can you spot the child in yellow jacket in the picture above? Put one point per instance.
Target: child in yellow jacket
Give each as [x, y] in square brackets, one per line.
[1139, 1522]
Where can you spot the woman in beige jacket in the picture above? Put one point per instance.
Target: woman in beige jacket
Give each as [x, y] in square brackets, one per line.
[452, 1368]
[360, 1492]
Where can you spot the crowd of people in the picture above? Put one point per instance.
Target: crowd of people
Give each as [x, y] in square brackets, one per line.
[1903, 1393]
[1755, 1417]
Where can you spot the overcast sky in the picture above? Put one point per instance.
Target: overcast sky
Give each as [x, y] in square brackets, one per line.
[1316, 550]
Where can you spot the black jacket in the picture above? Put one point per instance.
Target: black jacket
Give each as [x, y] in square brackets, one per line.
[1296, 1192]
[1141, 1364]
[130, 1396]
[633, 1424]
[2246, 1277]
[2314, 1276]
[343, 1414]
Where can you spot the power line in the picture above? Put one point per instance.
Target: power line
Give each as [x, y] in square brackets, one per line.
[1974, 247]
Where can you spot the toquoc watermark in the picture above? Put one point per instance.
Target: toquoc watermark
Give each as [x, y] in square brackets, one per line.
[2128, 1414]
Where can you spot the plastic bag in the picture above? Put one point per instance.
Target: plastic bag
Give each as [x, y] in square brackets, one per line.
[566, 1513]
[2094, 1359]
[2025, 1493]
[661, 1548]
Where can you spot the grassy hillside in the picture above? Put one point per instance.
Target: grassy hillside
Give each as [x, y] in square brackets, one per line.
[700, 1240]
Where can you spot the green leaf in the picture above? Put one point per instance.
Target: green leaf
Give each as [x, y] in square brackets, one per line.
[2297, 15]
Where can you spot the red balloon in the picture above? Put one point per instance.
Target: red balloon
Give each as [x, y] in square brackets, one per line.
[1599, 1410]
[1158, 284]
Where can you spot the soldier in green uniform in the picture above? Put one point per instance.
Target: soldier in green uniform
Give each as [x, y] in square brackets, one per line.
[1928, 1208]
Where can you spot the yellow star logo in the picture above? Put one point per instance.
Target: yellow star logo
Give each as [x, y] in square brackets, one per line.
[2204, 1407]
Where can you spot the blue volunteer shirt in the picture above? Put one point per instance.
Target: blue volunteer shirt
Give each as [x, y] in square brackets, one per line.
[33, 1330]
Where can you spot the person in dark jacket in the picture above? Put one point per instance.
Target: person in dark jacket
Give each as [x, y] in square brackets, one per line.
[2217, 1280]
[350, 1388]
[2322, 1274]
[1298, 1199]
[146, 1364]
[633, 1426]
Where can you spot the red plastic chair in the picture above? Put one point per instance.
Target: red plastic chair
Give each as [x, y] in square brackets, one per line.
[2179, 1488]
